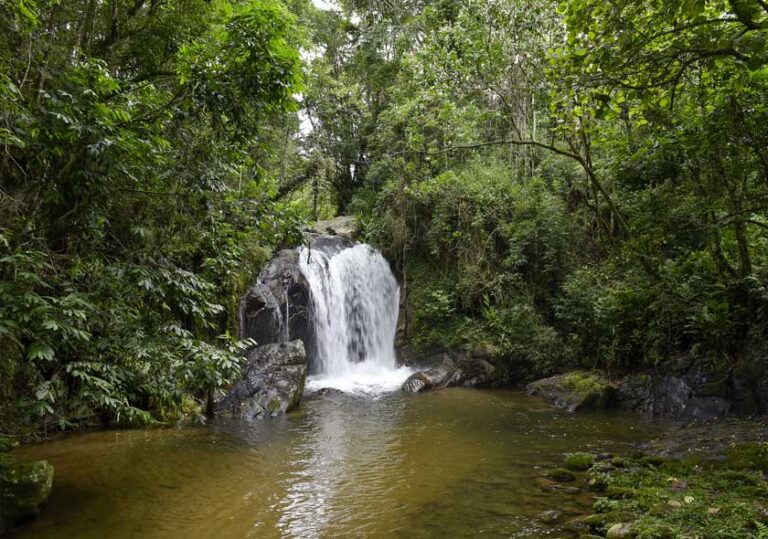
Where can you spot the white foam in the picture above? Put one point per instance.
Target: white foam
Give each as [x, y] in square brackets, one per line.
[355, 302]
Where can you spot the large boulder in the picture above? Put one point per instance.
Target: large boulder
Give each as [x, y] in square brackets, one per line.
[272, 382]
[23, 487]
[575, 390]
[278, 307]
[681, 397]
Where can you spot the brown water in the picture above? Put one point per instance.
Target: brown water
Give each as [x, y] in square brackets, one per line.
[452, 463]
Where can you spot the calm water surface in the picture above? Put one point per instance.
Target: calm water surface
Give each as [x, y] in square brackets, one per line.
[451, 463]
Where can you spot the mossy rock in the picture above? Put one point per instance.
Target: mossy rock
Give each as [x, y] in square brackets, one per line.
[622, 530]
[562, 475]
[750, 456]
[620, 493]
[602, 522]
[7, 444]
[654, 462]
[579, 462]
[657, 531]
[576, 390]
[23, 489]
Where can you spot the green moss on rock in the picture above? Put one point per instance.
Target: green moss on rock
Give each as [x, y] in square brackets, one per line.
[751, 456]
[562, 475]
[576, 390]
[23, 489]
[579, 462]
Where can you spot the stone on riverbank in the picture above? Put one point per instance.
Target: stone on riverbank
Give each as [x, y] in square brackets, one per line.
[579, 462]
[576, 390]
[469, 369]
[273, 382]
[23, 487]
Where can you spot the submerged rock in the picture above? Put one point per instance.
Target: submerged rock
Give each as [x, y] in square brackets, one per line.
[273, 382]
[575, 390]
[23, 487]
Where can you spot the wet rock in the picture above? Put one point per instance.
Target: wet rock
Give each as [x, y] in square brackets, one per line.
[579, 462]
[552, 516]
[620, 531]
[454, 370]
[277, 308]
[575, 390]
[562, 475]
[698, 389]
[272, 383]
[324, 391]
[345, 226]
[23, 490]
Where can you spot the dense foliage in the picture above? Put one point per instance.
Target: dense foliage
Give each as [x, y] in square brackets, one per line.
[136, 198]
[559, 183]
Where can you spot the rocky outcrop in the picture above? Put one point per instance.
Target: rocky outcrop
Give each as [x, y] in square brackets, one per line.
[669, 396]
[272, 382]
[345, 226]
[454, 369]
[23, 487]
[277, 307]
[576, 390]
[695, 389]
[688, 389]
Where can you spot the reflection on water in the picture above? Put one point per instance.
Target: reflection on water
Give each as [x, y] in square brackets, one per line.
[451, 463]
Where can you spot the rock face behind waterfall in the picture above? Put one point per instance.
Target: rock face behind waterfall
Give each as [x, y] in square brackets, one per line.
[272, 383]
[277, 308]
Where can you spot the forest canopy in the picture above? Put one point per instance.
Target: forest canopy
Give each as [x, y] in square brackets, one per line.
[576, 183]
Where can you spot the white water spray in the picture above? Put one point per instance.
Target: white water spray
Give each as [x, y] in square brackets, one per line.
[355, 301]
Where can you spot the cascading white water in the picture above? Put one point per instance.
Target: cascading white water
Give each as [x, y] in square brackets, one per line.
[355, 301]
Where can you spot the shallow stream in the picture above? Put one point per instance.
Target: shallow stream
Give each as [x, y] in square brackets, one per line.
[452, 463]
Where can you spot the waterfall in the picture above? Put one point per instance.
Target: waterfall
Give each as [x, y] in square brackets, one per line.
[354, 308]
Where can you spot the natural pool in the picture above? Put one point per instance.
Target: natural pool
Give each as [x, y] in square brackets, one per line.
[452, 463]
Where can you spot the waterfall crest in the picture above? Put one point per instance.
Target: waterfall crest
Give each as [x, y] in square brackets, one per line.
[354, 309]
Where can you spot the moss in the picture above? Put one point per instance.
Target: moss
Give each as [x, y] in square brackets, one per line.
[670, 498]
[595, 390]
[23, 489]
[653, 461]
[621, 493]
[751, 456]
[575, 390]
[273, 406]
[579, 461]
[562, 475]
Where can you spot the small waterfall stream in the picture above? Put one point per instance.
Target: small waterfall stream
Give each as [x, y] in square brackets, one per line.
[354, 303]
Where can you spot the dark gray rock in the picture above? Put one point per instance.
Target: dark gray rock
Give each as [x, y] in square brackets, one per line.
[687, 397]
[277, 307]
[272, 382]
[451, 369]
